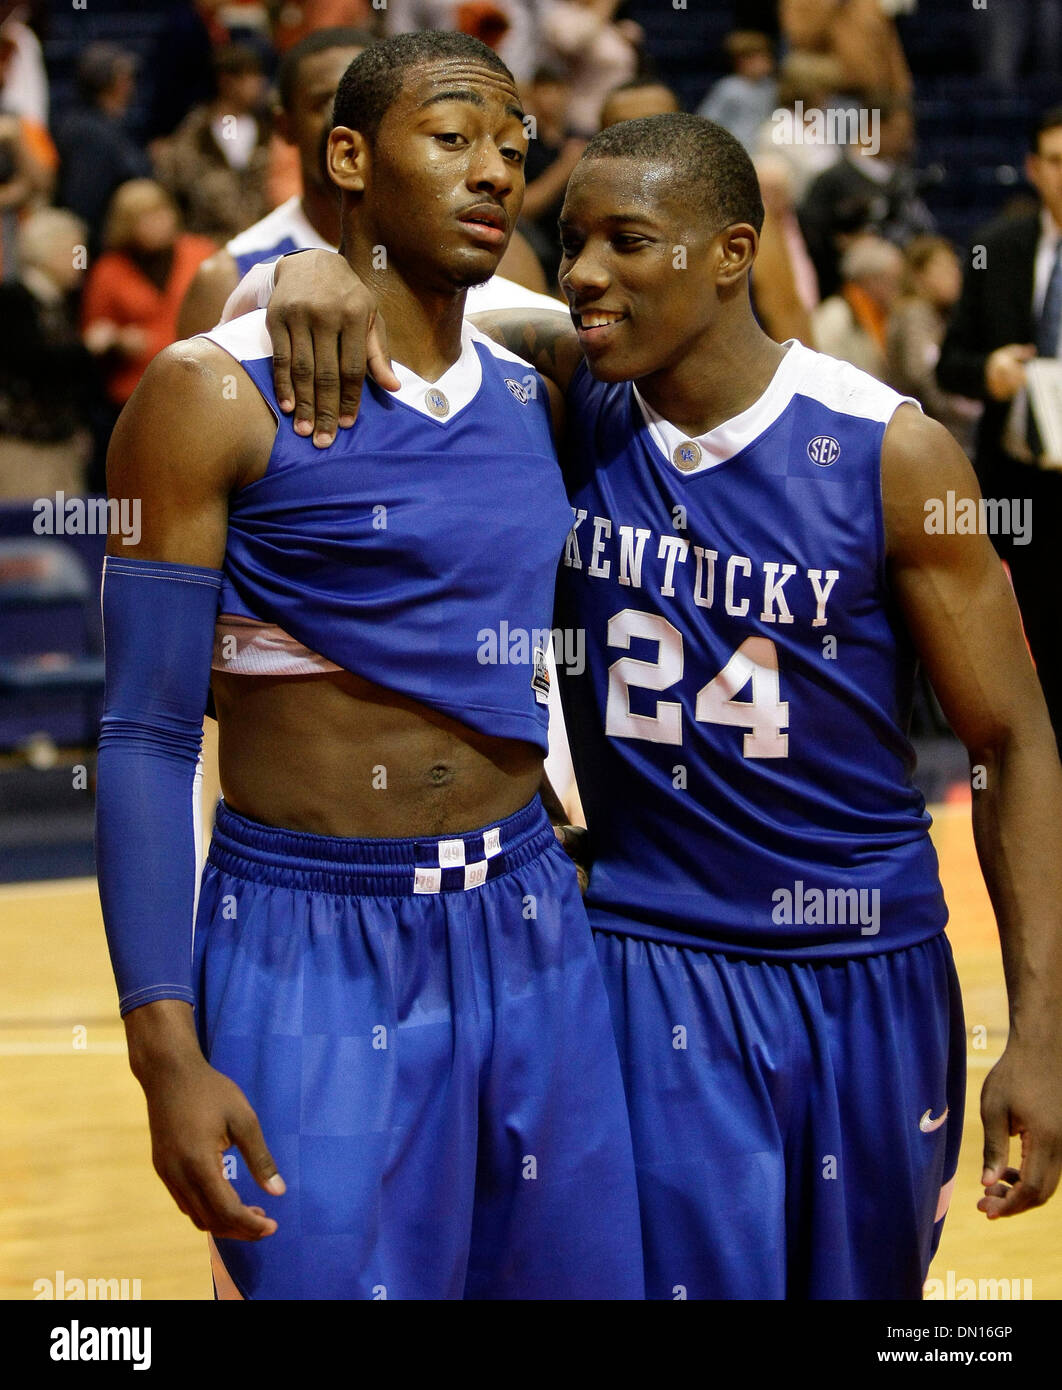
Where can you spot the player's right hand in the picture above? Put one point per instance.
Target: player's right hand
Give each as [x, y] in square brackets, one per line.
[326, 333]
[195, 1114]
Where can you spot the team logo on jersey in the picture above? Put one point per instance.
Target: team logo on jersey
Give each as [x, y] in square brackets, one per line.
[540, 679]
[520, 392]
[436, 402]
[927, 1126]
[687, 455]
[824, 450]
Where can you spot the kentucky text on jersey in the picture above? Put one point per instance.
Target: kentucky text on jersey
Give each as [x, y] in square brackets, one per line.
[740, 726]
[736, 581]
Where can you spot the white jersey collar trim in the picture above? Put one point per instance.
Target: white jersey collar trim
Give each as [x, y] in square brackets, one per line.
[725, 440]
[457, 387]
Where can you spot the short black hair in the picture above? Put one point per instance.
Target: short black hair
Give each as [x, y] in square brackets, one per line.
[320, 41]
[1050, 119]
[707, 162]
[374, 79]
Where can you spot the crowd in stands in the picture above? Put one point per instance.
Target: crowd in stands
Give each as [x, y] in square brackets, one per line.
[106, 221]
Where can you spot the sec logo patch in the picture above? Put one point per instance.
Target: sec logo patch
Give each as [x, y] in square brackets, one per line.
[520, 392]
[824, 450]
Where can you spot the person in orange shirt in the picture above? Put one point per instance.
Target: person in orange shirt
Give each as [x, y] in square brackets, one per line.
[28, 164]
[134, 291]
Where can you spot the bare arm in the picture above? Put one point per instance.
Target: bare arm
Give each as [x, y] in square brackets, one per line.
[205, 298]
[546, 340]
[964, 621]
[182, 488]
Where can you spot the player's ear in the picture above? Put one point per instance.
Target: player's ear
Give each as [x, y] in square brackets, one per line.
[738, 244]
[347, 158]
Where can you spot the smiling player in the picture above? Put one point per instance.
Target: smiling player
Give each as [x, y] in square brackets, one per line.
[392, 963]
[751, 562]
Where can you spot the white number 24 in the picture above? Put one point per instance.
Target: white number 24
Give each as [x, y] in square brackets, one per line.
[764, 717]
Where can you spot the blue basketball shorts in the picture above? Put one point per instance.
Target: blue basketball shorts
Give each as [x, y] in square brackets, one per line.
[796, 1125]
[423, 1032]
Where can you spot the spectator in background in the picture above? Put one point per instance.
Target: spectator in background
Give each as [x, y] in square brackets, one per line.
[181, 74]
[216, 164]
[47, 375]
[307, 78]
[858, 34]
[96, 152]
[807, 84]
[294, 23]
[1010, 31]
[552, 154]
[866, 192]
[931, 285]
[852, 325]
[642, 96]
[28, 162]
[1009, 311]
[133, 292]
[507, 26]
[784, 285]
[598, 54]
[744, 100]
[26, 83]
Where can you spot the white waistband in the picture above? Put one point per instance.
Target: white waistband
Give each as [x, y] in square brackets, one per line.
[247, 647]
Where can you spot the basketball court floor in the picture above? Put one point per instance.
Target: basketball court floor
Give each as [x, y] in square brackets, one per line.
[81, 1200]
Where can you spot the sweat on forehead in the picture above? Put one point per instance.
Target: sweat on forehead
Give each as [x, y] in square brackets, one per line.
[626, 189]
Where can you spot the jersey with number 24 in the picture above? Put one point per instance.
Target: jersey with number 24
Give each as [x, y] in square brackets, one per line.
[738, 726]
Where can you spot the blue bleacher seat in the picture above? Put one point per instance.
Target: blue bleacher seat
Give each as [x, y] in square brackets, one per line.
[51, 665]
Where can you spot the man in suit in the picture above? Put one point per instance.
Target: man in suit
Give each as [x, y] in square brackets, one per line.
[1011, 311]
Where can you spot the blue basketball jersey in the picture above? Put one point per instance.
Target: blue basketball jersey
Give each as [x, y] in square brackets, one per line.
[738, 729]
[420, 550]
[284, 229]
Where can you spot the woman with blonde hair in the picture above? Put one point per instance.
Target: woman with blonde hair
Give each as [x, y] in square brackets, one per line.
[133, 293]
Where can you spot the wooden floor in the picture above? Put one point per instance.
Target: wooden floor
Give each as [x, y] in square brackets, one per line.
[79, 1192]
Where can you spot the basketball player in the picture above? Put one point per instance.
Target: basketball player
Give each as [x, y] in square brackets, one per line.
[757, 556]
[307, 79]
[400, 1026]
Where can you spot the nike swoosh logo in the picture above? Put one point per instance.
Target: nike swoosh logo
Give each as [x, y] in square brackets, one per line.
[927, 1126]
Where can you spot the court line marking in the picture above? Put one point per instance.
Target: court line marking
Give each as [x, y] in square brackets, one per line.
[48, 886]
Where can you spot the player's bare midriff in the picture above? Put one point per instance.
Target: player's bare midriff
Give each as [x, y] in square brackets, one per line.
[333, 754]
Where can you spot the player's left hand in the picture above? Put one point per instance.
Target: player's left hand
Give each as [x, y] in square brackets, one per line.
[1022, 1095]
[326, 333]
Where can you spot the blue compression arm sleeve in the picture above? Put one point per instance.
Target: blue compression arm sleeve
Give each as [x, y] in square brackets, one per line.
[158, 622]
